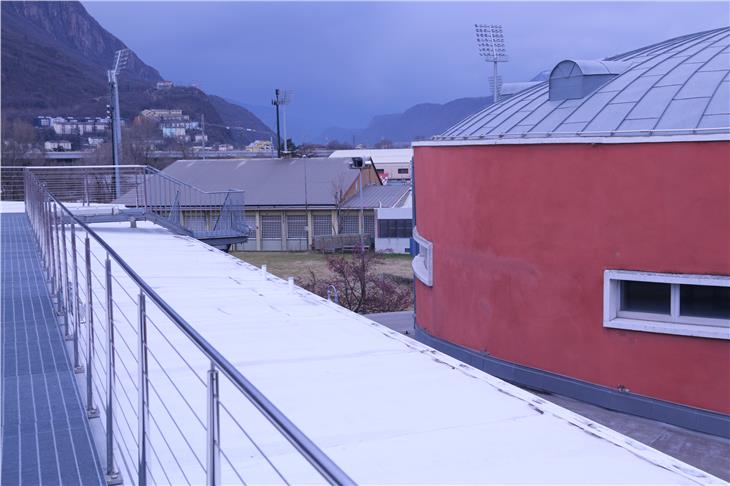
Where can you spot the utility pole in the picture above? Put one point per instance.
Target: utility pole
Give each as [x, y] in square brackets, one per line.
[202, 125]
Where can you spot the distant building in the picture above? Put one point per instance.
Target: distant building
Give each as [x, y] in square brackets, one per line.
[164, 84]
[393, 211]
[260, 146]
[72, 126]
[43, 121]
[57, 145]
[289, 202]
[390, 163]
[174, 130]
[157, 114]
[173, 123]
[95, 141]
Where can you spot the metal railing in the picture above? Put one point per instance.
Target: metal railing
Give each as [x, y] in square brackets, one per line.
[171, 406]
[147, 193]
[11, 183]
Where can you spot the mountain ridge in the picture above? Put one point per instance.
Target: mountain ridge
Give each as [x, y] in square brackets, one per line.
[55, 57]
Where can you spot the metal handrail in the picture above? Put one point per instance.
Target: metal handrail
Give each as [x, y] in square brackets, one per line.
[330, 471]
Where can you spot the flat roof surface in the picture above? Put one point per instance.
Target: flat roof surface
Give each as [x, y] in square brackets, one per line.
[385, 408]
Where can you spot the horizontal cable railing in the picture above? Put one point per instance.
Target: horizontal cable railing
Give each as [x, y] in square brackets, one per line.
[11, 183]
[173, 409]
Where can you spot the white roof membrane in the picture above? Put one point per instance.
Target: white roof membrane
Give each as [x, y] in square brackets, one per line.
[385, 408]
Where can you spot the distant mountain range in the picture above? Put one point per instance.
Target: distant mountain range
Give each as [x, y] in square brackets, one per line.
[417, 122]
[54, 61]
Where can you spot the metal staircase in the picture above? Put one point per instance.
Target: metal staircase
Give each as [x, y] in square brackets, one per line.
[145, 193]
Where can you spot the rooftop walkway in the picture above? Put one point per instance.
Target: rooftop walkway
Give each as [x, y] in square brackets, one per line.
[45, 433]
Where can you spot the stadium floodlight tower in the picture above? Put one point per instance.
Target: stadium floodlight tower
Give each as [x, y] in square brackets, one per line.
[490, 40]
[120, 61]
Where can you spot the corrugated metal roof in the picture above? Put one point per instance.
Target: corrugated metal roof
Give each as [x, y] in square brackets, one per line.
[388, 196]
[679, 86]
[270, 182]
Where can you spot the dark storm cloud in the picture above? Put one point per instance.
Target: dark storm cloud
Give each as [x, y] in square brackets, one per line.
[349, 61]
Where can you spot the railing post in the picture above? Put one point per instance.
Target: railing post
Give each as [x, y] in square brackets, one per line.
[86, 189]
[59, 264]
[112, 475]
[64, 278]
[52, 252]
[144, 181]
[213, 447]
[77, 318]
[143, 412]
[91, 411]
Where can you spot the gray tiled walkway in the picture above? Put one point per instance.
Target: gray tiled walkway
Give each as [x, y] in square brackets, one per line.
[45, 434]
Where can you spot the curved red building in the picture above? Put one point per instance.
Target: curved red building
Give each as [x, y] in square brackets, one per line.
[575, 237]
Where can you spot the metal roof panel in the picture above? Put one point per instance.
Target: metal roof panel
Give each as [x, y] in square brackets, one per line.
[676, 82]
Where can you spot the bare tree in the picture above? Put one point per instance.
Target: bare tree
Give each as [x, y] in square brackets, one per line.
[338, 197]
[360, 286]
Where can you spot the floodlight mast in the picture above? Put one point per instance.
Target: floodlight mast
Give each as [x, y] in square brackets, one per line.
[490, 40]
[120, 61]
[286, 98]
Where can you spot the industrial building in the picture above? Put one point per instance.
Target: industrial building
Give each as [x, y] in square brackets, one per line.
[583, 246]
[391, 164]
[290, 202]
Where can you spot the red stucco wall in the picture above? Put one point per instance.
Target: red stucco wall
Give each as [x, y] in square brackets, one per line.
[523, 233]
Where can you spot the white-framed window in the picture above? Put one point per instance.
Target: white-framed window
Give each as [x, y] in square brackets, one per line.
[669, 303]
[423, 262]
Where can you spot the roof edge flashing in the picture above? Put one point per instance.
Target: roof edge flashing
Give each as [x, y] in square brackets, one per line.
[575, 79]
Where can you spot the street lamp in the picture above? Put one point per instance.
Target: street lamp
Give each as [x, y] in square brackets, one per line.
[490, 41]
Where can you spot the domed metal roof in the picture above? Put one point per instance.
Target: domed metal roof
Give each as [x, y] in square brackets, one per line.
[679, 86]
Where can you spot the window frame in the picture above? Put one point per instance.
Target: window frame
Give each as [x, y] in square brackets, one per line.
[672, 323]
[423, 262]
[267, 222]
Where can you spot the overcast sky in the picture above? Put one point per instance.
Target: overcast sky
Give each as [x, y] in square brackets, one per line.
[348, 61]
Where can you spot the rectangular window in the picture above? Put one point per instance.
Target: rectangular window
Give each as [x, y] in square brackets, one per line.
[403, 171]
[271, 227]
[395, 228]
[322, 224]
[369, 224]
[251, 222]
[645, 297]
[690, 305]
[349, 223]
[704, 301]
[296, 226]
